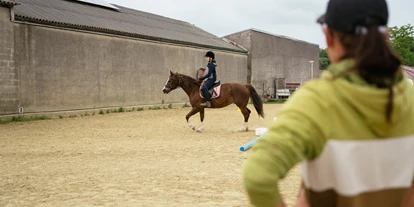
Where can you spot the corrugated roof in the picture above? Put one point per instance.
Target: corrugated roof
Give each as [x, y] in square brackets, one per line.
[409, 71]
[126, 22]
[8, 3]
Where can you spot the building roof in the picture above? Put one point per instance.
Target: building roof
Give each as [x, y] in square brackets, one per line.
[276, 35]
[124, 22]
[8, 3]
[409, 71]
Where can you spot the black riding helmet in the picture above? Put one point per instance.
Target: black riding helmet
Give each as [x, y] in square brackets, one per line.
[209, 54]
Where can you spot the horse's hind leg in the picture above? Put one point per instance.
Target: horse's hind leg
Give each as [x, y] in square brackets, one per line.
[246, 113]
[191, 113]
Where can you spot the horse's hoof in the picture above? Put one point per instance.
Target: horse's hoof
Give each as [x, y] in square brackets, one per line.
[243, 130]
[193, 128]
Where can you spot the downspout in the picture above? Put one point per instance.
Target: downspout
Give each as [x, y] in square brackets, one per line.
[12, 14]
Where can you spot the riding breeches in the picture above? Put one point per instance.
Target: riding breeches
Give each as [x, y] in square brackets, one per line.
[204, 90]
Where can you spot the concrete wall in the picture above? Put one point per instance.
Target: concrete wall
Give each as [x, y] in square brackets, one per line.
[66, 70]
[244, 39]
[277, 57]
[9, 73]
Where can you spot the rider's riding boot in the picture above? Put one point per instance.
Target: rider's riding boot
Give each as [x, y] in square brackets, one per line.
[206, 104]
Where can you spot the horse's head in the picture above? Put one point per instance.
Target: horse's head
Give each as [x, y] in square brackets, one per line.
[171, 84]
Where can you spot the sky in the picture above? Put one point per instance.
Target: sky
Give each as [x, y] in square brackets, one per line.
[292, 18]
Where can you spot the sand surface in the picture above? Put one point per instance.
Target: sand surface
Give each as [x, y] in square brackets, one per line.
[145, 158]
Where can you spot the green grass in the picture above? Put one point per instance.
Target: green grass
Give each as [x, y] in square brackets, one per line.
[185, 105]
[280, 101]
[102, 112]
[154, 108]
[23, 119]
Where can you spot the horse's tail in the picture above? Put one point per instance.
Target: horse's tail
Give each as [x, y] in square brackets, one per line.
[257, 101]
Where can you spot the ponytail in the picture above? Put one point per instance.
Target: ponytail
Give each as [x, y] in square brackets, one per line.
[375, 61]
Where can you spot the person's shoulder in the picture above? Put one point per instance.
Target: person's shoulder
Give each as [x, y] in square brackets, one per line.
[318, 90]
[212, 64]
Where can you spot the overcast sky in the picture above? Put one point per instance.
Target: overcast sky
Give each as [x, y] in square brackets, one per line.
[293, 18]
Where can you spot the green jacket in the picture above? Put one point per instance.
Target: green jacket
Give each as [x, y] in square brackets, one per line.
[336, 128]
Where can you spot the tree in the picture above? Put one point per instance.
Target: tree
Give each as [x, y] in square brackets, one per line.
[323, 59]
[402, 41]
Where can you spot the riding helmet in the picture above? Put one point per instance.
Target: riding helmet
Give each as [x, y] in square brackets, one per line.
[209, 54]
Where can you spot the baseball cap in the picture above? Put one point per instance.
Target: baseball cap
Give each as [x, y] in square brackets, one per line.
[346, 15]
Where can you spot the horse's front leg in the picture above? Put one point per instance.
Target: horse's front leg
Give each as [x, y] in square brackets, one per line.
[191, 113]
[202, 120]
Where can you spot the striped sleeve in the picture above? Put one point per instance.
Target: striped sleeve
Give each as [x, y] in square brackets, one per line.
[294, 137]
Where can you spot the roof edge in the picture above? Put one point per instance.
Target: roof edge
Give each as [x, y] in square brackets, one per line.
[8, 3]
[246, 30]
[234, 43]
[24, 19]
[276, 35]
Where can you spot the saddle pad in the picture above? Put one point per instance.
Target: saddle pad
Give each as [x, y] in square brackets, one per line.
[215, 94]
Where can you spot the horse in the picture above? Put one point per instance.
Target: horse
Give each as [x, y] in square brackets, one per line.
[227, 93]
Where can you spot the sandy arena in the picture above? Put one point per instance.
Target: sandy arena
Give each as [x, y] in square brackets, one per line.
[145, 158]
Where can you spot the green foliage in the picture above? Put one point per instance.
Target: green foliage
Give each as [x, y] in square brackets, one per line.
[279, 101]
[154, 108]
[185, 105]
[323, 59]
[402, 41]
[23, 119]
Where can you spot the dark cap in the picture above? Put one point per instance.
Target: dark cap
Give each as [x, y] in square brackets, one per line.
[346, 15]
[209, 54]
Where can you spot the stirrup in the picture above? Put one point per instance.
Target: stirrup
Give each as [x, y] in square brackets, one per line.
[206, 104]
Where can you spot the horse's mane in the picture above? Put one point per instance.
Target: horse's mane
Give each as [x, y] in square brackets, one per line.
[186, 81]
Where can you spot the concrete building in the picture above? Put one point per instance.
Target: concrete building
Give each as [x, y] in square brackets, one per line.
[67, 54]
[274, 56]
[9, 73]
[58, 55]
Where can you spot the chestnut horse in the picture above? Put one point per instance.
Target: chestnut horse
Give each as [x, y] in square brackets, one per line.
[229, 93]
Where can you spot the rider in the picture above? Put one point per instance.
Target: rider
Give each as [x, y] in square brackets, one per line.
[209, 78]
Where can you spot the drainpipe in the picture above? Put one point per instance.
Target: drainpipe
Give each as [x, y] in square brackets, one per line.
[311, 69]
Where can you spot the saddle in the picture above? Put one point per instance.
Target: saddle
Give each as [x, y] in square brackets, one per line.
[214, 90]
